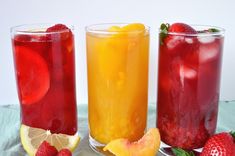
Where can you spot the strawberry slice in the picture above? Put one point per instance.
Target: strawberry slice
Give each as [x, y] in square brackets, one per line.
[177, 40]
[33, 75]
[45, 149]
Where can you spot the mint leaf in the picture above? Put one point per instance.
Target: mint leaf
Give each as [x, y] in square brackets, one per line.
[163, 31]
[181, 152]
[232, 133]
[213, 30]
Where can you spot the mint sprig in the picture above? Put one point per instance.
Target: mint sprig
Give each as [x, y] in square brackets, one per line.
[181, 152]
[163, 31]
[213, 30]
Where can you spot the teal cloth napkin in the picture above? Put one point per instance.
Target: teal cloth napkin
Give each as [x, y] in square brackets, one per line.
[10, 122]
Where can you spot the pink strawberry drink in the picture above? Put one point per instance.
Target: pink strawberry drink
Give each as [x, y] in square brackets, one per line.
[188, 83]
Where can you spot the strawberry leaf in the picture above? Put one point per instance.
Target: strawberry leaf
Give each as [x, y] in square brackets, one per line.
[181, 152]
[163, 31]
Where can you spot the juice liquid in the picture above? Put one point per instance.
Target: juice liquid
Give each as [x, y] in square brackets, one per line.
[117, 85]
[188, 89]
[45, 74]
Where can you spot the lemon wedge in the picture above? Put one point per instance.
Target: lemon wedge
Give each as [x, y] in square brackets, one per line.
[31, 138]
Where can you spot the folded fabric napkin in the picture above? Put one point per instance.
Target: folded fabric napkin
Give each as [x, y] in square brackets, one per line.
[10, 122]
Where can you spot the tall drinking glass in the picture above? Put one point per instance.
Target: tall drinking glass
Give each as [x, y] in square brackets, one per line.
[188, 86]
[117, 61]
[45, 75]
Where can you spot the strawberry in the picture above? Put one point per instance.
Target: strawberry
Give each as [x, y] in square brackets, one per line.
[57, 27]
[45, 149]
[178, 38]
[221, 144]
[181, 28]
[64, 152]
[175, 28]
[63, 32]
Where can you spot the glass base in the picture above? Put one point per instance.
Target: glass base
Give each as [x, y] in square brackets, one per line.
[166, 150]
[98, 147]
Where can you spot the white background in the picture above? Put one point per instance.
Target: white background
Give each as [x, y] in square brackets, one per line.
[85, 12]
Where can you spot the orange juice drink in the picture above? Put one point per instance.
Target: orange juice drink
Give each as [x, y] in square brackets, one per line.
[117, 58]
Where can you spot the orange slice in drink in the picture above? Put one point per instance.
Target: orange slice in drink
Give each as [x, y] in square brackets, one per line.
[33, 75]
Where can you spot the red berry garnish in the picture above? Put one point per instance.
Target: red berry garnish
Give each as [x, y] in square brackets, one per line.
[57, 27]
[64, 152]
[178, 38]
[45, 149]
[63, 32]
[221, 144]
[181, 28]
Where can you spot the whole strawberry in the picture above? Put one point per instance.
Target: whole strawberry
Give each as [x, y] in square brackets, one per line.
[181, 28]
[178, 38]
[221, 144]
[64, 152]
[45, 149]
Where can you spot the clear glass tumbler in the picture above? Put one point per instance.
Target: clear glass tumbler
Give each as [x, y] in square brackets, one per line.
[117, 61]
[45, 75]
[188, 86]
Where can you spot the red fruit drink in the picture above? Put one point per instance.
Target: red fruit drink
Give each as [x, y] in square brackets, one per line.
[188, 85]
[45, 74]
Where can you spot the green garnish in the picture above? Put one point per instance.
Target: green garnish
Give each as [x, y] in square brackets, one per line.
[232, 133]
[164, 30]
[181, 152]
[213, 30]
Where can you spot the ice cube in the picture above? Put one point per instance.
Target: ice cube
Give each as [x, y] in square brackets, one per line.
[208, 52]
[206, 39]
[186, 72]
[174, 41]
[189, 40]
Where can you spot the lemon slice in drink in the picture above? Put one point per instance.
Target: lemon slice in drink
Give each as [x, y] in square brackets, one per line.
[31, 138]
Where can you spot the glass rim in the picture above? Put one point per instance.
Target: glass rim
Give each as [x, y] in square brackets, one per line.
[221, 31]
[93, 28]
[34, 28]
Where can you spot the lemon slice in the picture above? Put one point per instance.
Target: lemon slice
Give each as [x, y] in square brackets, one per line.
[31, 138]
